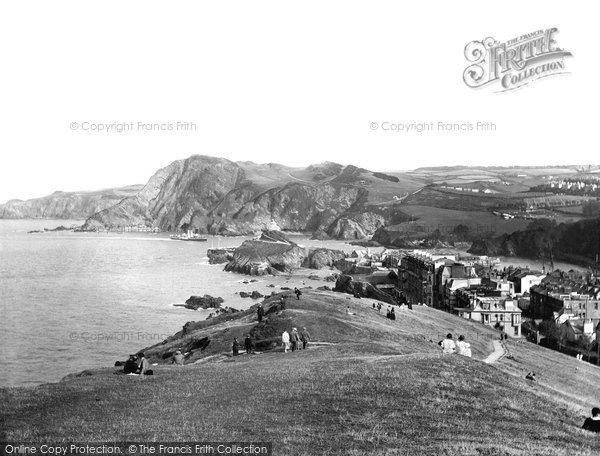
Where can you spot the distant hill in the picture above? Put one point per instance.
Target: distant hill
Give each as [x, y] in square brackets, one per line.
[330, 200]
[66, 205]
[218, 196]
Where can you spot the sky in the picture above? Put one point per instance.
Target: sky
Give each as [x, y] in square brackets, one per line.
[278, 81]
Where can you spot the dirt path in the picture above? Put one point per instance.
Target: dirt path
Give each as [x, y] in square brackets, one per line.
[498, 353]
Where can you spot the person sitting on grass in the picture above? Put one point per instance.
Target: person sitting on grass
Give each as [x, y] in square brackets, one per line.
[531, 376]
[130, 366]
[463, 347]
[448, 345]
[143, 365]
[592, 423]
[177, 358]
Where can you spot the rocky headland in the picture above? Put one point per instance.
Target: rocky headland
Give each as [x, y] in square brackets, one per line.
[66, 205]
[218, 196]
[271, 254]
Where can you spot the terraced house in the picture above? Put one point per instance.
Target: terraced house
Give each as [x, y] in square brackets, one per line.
[500, 312]
[569, 294]
[418, 281]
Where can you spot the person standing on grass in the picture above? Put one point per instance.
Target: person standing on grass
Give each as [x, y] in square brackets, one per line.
[235, 347]
[248, 344]
[298, 293]
[294, 338]
[592, 423]
[305, 338]
[392, 314]
[260, 312]
[448, 345]
[285, 338]
[463, 347]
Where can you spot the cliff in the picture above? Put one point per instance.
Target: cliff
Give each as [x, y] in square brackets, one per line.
[217, 196]
[67, 205]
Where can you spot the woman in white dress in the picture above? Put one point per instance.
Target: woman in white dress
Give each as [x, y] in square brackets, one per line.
[463, 347]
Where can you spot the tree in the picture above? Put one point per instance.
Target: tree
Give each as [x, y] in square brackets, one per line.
[586, 344]
[549, 329]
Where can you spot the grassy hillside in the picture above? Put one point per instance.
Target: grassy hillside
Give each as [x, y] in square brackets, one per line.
[367, 385]
[446, 219]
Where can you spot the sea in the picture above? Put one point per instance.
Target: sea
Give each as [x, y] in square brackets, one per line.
[72, 301]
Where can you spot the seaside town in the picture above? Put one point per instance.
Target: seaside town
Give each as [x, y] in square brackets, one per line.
[558, 309]
[329, 229]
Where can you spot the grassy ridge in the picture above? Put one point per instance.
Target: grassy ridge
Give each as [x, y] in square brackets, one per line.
[377, 387]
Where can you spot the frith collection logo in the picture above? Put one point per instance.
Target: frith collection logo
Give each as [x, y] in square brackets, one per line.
[516, 62]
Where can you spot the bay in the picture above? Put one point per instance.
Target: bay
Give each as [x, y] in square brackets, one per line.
[73, 301]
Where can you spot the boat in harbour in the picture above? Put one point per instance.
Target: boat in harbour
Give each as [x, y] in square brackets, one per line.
[189, 236]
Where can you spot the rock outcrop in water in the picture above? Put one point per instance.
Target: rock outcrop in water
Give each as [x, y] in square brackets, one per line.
[271, 254]
[203, 302]
[220, 256]
[321, 257]
[217, 196]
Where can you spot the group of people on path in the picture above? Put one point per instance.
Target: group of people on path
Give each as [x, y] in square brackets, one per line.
[460, 347]
[292, 340]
